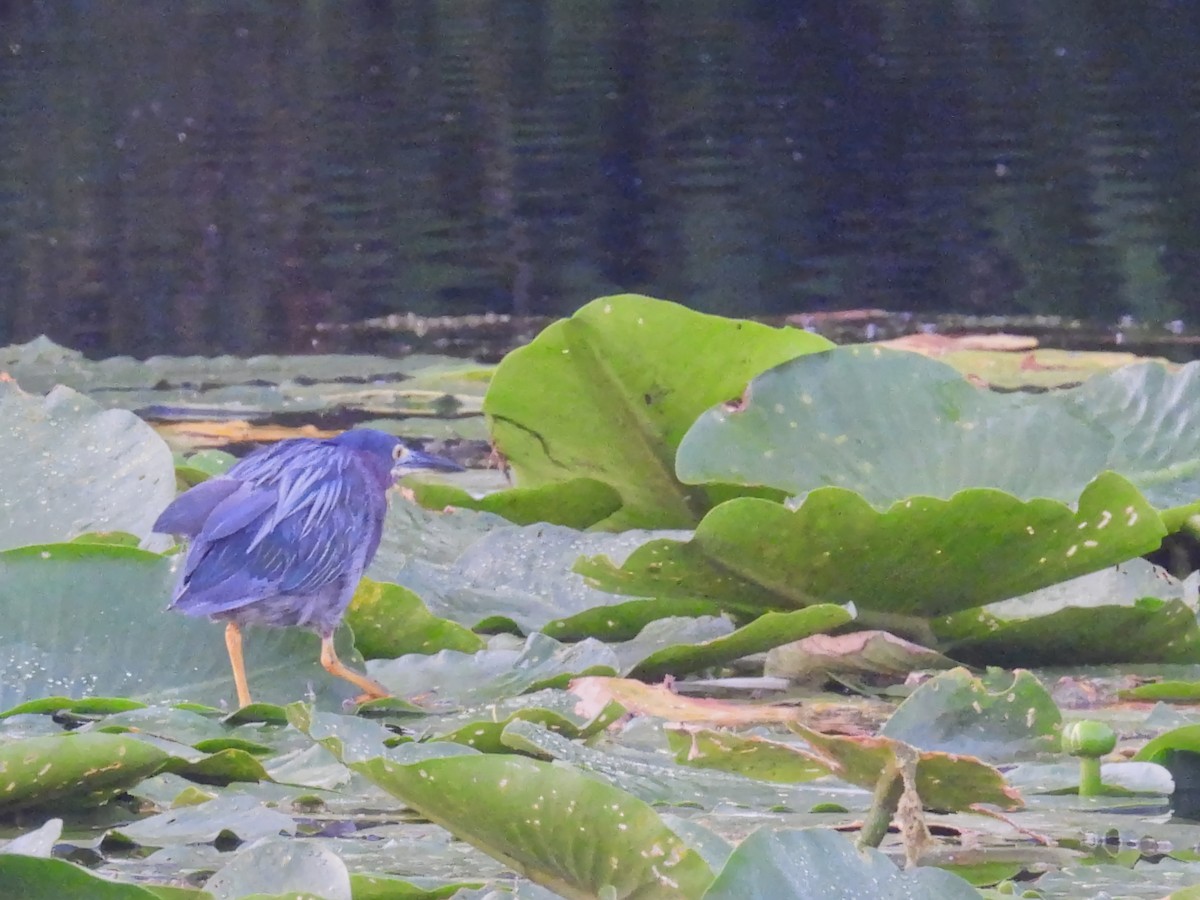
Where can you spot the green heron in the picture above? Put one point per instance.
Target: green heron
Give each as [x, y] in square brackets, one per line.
[283, 537]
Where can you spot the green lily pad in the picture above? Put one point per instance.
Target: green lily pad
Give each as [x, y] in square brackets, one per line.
[389, 887]
[517, 578]
[890, 425]
[485, 735]
[90, 619]
[994, 716]
[241, 816]
[72, 467]
[624, 620]
[1152, 413]
[922, 557]
[576, 503]
[84, 768]
[53, 879]
[88, 706]
[819, 863]
[222, 767]
[389, 621]
[1134, 612]
[551, 823]
[630, 375]
[767, 631]
[652, 777]
[1160, 748]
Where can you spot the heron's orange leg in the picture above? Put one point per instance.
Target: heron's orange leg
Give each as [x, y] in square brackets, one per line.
[329, 659]
[233, 643]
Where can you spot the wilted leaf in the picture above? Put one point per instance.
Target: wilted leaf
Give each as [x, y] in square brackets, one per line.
[859, 653]
[658, 700]
[944, 781]
[754, 757]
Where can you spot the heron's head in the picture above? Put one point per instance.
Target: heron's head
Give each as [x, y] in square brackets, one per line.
[390, 456]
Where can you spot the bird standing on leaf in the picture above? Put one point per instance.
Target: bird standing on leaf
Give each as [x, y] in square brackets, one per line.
[284, 536]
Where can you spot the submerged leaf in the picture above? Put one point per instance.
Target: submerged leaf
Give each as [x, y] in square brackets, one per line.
[819, 863]
[995, 716]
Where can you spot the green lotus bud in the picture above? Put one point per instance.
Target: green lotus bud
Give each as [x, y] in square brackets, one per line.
[1089, 740]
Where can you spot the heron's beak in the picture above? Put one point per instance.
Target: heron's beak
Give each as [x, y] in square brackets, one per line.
[415, 460]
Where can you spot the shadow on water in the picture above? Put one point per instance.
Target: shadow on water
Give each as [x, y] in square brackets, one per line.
[191, 178]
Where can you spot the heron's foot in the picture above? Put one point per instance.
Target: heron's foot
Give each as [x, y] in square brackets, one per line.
[372, 690]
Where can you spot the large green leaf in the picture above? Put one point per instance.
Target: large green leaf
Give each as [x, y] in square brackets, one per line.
[890, 425]
[577, 503]
[90, 619]
[609, 393]
[771, 865]
[563, 829]
[72, 467]
[922, 557]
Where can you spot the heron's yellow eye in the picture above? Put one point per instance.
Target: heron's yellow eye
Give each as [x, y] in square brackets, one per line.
[398, 451]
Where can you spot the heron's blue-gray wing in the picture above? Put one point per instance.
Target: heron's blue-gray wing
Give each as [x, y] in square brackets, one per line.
[316, 526]
[190, 510]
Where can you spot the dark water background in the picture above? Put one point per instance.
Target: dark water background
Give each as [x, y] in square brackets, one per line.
[217, 177]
